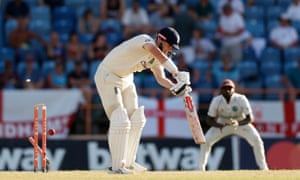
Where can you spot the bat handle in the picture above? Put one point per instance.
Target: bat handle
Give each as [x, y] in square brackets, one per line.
[188, 101]
[186, 94]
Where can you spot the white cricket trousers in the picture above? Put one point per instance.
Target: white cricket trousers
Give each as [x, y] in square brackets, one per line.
[115, 91]
[119, 99]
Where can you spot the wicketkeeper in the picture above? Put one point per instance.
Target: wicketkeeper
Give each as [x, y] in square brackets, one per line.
[115, 85]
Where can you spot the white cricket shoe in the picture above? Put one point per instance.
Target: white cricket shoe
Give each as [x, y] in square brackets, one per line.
[265, 169]
[202, 168]
[137, 167]
[119, 171]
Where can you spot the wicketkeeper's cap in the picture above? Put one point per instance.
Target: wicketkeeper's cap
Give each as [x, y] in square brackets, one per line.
[170, 35]
[227, 82]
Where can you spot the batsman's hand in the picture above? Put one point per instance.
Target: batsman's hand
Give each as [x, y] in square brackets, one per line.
[182, 77]
[180, 88]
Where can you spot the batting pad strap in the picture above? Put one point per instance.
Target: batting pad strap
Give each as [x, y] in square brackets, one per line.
[170, 66]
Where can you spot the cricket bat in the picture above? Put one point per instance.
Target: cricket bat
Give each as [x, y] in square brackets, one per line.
[193, 120]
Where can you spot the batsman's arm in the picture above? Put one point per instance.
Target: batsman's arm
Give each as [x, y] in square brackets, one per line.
[156, 52]
[161, 78]
[162, 58]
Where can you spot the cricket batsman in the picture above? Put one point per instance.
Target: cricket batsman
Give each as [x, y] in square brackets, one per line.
[115, 85]
[230, 113]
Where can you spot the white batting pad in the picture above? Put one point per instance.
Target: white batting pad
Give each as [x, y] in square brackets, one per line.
[138, 121]
[118, 137]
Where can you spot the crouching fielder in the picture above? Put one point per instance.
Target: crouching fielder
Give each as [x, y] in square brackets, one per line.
[231, 114]
[115, 85]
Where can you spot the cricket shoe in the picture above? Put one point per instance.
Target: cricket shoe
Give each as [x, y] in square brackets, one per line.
[137, 167]
[264, 168]
[119, 171]
[202, 168]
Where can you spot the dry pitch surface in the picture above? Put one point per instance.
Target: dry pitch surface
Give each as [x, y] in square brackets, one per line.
[155, 175]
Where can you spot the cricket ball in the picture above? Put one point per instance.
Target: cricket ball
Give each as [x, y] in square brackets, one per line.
[51, 132]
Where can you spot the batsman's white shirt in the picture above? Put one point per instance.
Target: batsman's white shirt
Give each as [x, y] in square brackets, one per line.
[114, 76]
[130, 57]
[237, 108]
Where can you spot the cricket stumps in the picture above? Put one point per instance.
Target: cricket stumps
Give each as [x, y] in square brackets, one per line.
[35, 139]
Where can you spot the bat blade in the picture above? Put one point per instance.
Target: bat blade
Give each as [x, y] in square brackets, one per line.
[193, 120]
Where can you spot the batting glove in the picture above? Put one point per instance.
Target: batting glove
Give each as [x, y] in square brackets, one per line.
[180, 89]
[183, 77]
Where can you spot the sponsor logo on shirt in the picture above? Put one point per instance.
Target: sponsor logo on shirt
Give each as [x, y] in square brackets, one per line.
[235, 108]
[146, 65]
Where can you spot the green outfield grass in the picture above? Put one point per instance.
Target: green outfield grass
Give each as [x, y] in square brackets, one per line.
[155, 175]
